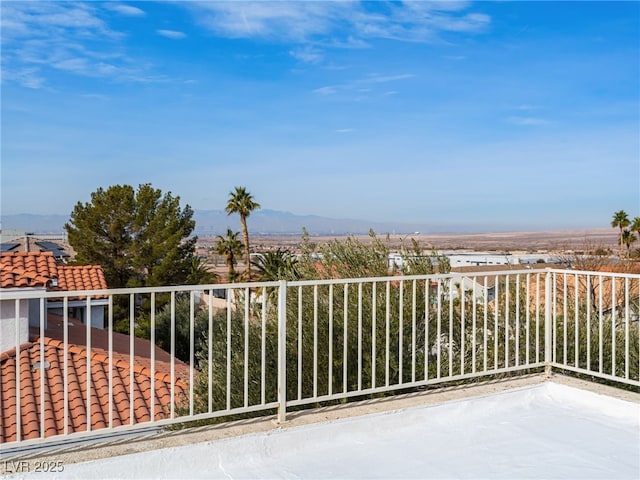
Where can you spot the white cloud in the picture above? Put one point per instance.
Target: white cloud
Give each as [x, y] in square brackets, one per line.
[419, 21]
[307, 54]
[283, 20]
[66, 36]
[349, 42]
[337, 24]
[77, 65]
[357, 85]
[45, 19]
[527, 107]
[345, 130]
[27, 77]
[386, 78]
[127, 10]
[94, 96]
[527, 121]
[325, 90]
[173, 34]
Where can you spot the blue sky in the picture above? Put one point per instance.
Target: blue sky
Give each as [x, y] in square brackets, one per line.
[474, 116]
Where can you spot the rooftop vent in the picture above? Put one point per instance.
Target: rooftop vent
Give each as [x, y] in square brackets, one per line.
[41, 365]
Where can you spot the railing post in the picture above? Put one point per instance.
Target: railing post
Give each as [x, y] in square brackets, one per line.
[282, 351]
[547, 324]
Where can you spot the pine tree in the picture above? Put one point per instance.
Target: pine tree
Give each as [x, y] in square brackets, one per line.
[138, 237]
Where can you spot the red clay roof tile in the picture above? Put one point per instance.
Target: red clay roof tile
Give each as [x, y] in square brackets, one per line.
[76, 380]
[31, 269]
[77, 335]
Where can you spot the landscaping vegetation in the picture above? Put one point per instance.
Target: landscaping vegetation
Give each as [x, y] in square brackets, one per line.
[340, 337]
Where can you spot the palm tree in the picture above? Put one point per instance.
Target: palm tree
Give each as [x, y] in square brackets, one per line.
[272, 266]
[621, 221]
[277, 265]
[199, 274]
[241, 202]
[628, 238]
[635, 225]
[230, 247]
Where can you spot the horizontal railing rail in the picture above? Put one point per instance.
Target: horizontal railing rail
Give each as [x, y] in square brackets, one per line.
[158, 356]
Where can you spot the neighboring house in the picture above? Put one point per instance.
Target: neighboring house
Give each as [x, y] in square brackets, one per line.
[121, 390]
[605, 294]
[26, 242]
[473, 277]
[41, 270]
[149, 382]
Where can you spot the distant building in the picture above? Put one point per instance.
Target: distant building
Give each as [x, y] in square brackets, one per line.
[19, 241]
[477, 259]
[480, 258]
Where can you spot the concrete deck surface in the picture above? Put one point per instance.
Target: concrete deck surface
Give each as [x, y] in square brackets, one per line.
[532, 429]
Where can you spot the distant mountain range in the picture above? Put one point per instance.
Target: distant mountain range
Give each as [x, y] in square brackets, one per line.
[216, 222]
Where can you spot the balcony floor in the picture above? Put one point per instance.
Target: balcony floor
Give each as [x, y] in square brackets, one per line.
[546, 430]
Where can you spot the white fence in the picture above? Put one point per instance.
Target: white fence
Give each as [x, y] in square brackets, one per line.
[226, 350]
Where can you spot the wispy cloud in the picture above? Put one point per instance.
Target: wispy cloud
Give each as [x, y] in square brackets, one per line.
[307, 54]
[365, 85]
[127, 10]
[375, 78]
[338, 24]
[348, 22]
[272, 20]
[328, 90]
[172, 34]
[71, 37]
[27, 77]
[94, 96]
[42, 19]
[527, 107]
[419, 21]
[345, 130]
[527, 121]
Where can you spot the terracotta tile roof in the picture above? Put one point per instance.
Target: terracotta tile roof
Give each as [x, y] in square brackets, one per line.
[625, 268]
[77, 335]
[21, 269]
[54, 354]
[85, 277]
[30, 269]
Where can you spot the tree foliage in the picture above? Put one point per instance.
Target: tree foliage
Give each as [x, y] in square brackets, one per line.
[181, 332]
[280, 264]
[353, 258]
[311, 312]
[138, 237]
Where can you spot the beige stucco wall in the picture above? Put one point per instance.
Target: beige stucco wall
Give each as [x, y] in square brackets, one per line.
[9, 326]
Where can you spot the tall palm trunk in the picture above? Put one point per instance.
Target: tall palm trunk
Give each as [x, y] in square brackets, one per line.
[621, 242]
[245, 236]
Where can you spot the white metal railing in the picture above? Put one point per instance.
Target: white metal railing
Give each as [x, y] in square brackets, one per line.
[224, 350]
[595, 324]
